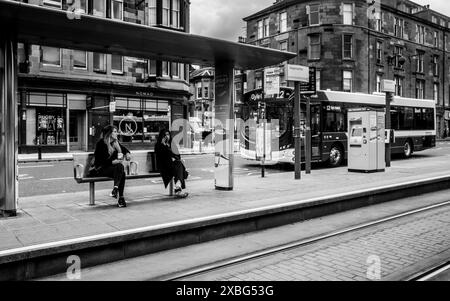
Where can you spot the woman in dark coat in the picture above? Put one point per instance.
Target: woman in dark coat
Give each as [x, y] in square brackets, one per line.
[109, 155]
[169, 163]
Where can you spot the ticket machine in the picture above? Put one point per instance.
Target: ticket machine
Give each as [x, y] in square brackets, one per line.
[366, 140]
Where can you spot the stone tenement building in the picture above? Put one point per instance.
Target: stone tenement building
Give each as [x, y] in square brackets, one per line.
[65, 94]
[355, 45]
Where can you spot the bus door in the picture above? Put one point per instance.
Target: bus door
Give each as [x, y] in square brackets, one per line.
[316, 135]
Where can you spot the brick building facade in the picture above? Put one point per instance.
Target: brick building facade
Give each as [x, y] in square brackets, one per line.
[67, 96]
[355, 45]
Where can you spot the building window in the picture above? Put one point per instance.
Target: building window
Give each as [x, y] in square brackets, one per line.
[99, 62]
[318, 74]
[116, 64]
[165, 12]
[419, 61]
[151, 67]
[284, 46]
[266, 27]
[347, 46]
[378, 86]
[206, 92]
[283, 22]
[434, 20]
[258, 83]
[175, 70]
[436, 92]
[378, 22]
[51, 56]
[165, 69]
[436, 39]
[348, 14]
[53, 3]
[79, 59]
[420, 89]
[117, 9]
[398, 85]
[314, 47]
[398, 27]
[314, 17]
[398, 52]
[199, 90]
[81, 6]
[379, 50]
[420, 34]
[99, 8]
[263, 28]
[443, 23]
[176, 14]
[152, 13]
[435, 65]
[347, 82]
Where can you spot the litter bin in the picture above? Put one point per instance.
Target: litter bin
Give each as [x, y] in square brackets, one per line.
[366, 140]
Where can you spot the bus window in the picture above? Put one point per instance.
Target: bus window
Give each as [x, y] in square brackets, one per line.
[315, 120]
[406, 116]
[334, 122]
[395, 118]
[429, 118]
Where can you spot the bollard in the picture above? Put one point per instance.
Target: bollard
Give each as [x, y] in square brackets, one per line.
[39, 149]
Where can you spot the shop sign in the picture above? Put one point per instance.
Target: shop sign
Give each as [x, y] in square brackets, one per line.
[128, 126]
[112, 106]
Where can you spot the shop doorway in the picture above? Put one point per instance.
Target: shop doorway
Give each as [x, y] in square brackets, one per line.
[77, 130]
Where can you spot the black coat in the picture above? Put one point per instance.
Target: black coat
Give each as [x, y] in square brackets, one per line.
[168, 167]
[102, 157]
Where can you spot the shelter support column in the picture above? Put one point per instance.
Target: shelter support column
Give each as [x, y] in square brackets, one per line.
[224, 125]
[8, 126]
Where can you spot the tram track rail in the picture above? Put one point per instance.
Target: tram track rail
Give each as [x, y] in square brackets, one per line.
[205, 269]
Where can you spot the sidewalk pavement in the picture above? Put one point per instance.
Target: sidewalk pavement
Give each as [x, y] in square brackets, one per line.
[53, 218]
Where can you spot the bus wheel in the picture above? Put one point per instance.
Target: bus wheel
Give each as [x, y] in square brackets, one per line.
[336, 156]
[407, 149]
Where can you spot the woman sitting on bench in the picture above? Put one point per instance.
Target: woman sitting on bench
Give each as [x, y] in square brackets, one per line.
[109, 155]
[169, 163]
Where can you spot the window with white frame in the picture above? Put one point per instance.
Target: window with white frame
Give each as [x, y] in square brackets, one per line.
[117, 9]
[152, 13]
[260, 29]
[166, 12]
[436, 39]
[443, 23]
[165, 69]
[398, 85]
[318, 73]
[347, 81]
[81, 6]
[420, 34]
[398, 27]
[176, 14]
[53, 3]
[314, 17]
[283, 46]
[314, 46]
[378, 21]
[283, 22]
[206, 91]
[266, 27]
[420, 89]
[116, 64]
[347, 46]
[434, 19]
[435, 65]
[199, 90]
[51, 56]
[419, 61]
[379, 52]
[348, 14]
[378, 84]
[99, 8]
[79, 59]
[99, 62]
[175, 70]
[398, 52]
[436, 92]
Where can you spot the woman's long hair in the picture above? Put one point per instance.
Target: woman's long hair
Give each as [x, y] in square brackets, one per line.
[162, 134]
[111, 144]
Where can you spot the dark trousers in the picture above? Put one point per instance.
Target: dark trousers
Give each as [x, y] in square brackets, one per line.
[178, 173]
[116, 172]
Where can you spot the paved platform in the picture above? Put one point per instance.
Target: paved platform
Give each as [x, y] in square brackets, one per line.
[64, 219]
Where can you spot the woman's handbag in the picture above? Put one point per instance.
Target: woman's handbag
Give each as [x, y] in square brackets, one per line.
[93, 170]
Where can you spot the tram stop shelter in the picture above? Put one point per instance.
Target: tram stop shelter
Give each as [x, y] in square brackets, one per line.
[21, 22]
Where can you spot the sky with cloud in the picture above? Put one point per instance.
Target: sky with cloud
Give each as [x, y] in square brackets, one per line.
[223, 19]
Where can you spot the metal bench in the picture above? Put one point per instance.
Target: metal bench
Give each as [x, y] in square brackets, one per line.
[141, 166]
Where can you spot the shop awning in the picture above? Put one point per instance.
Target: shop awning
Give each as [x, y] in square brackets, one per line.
[54, 27]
